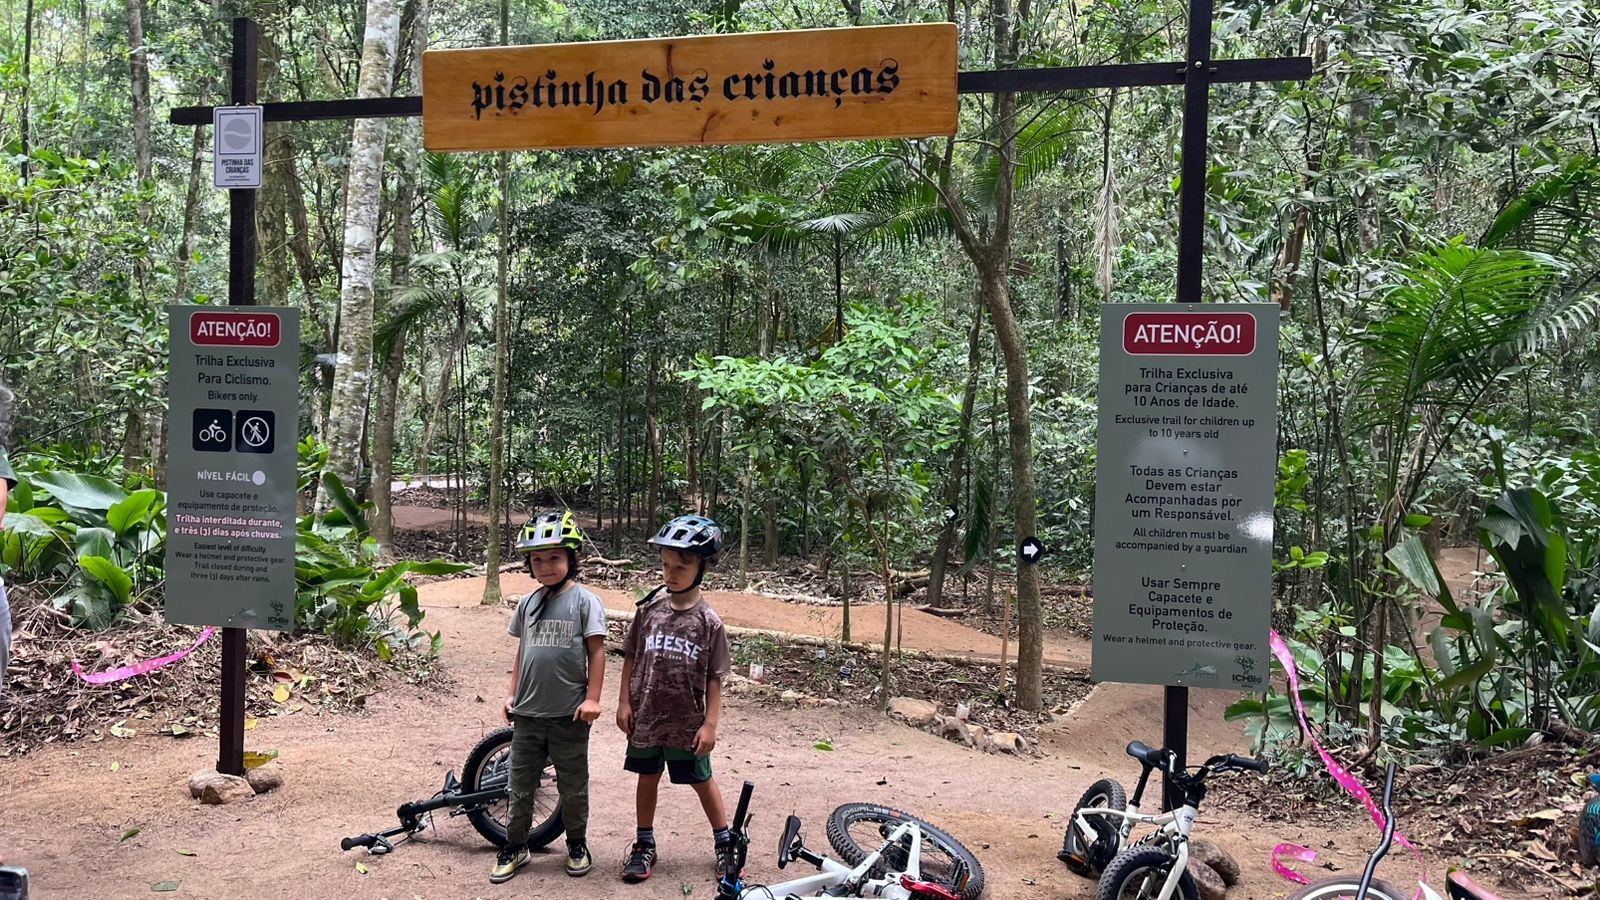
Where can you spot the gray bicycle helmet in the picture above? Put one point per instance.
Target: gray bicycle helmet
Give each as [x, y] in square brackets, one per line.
[691, 534]
[696, 535]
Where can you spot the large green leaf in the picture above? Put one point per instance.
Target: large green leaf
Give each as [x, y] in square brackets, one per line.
[1411, 558]
[133, 510]
[109, 574]
[95, 542]
[344, 503]
[88, 492]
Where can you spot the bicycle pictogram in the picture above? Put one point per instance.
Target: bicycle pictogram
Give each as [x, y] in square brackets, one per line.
[213, 430]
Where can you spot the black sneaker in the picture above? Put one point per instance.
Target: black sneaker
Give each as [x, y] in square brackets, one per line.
[641, 862]
[727, 862]
[508, 862]
[578, 862]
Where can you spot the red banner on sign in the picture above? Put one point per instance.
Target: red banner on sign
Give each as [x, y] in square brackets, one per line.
[1189, 334]
[217, 329]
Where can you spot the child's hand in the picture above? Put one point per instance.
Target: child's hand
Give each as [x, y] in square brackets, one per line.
[705, 740]
[505, 710]
[588, 711]
[625, 719]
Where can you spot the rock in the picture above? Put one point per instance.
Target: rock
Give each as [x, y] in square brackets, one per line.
[1207, 880]
[913, 712]
[790, 696]
[978, 736]
[1009, 742]
[266, 778]
[829, 702]
[226, 789]
[197, 781]
[1218, 859]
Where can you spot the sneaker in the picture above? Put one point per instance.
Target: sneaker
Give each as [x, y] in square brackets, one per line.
[578, 862]
[508, 862]
[727, 862]
[641, 862]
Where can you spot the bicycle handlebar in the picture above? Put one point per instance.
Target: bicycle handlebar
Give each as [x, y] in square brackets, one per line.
[360, 840]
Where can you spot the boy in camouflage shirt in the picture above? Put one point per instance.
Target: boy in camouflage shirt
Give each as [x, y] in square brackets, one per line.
[675, 655]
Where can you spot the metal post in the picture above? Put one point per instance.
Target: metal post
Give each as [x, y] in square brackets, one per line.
[1191, 267]
[241, 292]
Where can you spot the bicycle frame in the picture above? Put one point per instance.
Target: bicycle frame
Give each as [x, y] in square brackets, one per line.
[1172, 831]
[832, 874]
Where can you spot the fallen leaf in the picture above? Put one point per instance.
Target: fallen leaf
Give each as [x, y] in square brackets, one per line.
[823, 746]
[254, 759]
[361, 867]
[121, 732]
[116, 766]
[280, 693]
[186, 853]
[1543, 815]
[164, 887]
[130, 833]
[249, 724]
[179, 730]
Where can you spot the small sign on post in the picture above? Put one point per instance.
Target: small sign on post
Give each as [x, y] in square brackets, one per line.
[234, 423]
[1183, 495]
[236, 133]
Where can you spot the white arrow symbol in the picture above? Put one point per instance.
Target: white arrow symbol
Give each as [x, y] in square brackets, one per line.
[950, 513]
[1030, 550]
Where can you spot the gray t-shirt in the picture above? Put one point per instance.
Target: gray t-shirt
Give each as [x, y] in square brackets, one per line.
[555, 662]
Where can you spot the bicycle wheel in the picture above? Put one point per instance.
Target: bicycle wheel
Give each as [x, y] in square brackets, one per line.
[1345, 889]
[1089, 859]
[488, 767]
[857, 829]
[1139, 874]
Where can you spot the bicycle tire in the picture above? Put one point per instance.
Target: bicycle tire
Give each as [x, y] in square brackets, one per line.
[487, 766]
[1345, 888]
[852, 852]
[1090, 861]
[1145, 869]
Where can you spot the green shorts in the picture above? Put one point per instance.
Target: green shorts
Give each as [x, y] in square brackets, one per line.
[682, 766]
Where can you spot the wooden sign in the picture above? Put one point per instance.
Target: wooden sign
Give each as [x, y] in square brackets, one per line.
[772, 87]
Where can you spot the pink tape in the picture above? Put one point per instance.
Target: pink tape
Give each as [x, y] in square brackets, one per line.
[1340, 774]
[1294, 851]
[123, 673]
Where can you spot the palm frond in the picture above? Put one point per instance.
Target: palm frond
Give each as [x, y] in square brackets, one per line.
[1451, 326]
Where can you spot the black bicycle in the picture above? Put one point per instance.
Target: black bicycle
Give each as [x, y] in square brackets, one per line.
[482, 795]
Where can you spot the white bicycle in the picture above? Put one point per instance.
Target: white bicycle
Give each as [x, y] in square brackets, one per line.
[1155, 867]
[915, 861]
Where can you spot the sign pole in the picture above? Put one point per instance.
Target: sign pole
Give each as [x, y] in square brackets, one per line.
[241, 292]
[1191, 266]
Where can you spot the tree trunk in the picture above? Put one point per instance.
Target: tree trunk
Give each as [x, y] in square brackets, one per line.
[653, 436]
[992, 258]
[958, 463]
[405, 199]
[191, 216]
[352, 377]
[497, 413]
[744, 522]
[139, 82]
[431, 423]
[27, 84]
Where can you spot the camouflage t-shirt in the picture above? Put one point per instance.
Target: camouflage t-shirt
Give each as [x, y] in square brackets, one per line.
[675, 652]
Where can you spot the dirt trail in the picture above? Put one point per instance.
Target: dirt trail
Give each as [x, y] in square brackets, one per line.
[64, 808]
[921, 630]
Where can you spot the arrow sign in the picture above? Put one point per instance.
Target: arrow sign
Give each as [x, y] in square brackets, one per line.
[950, 513]
[1030, 550]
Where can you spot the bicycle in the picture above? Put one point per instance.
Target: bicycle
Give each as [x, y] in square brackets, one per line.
[482, 795]
[1156, 866]
[915, 861]
[1367, 887]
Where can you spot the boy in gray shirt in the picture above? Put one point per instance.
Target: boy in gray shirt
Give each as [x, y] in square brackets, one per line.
[555, 690]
